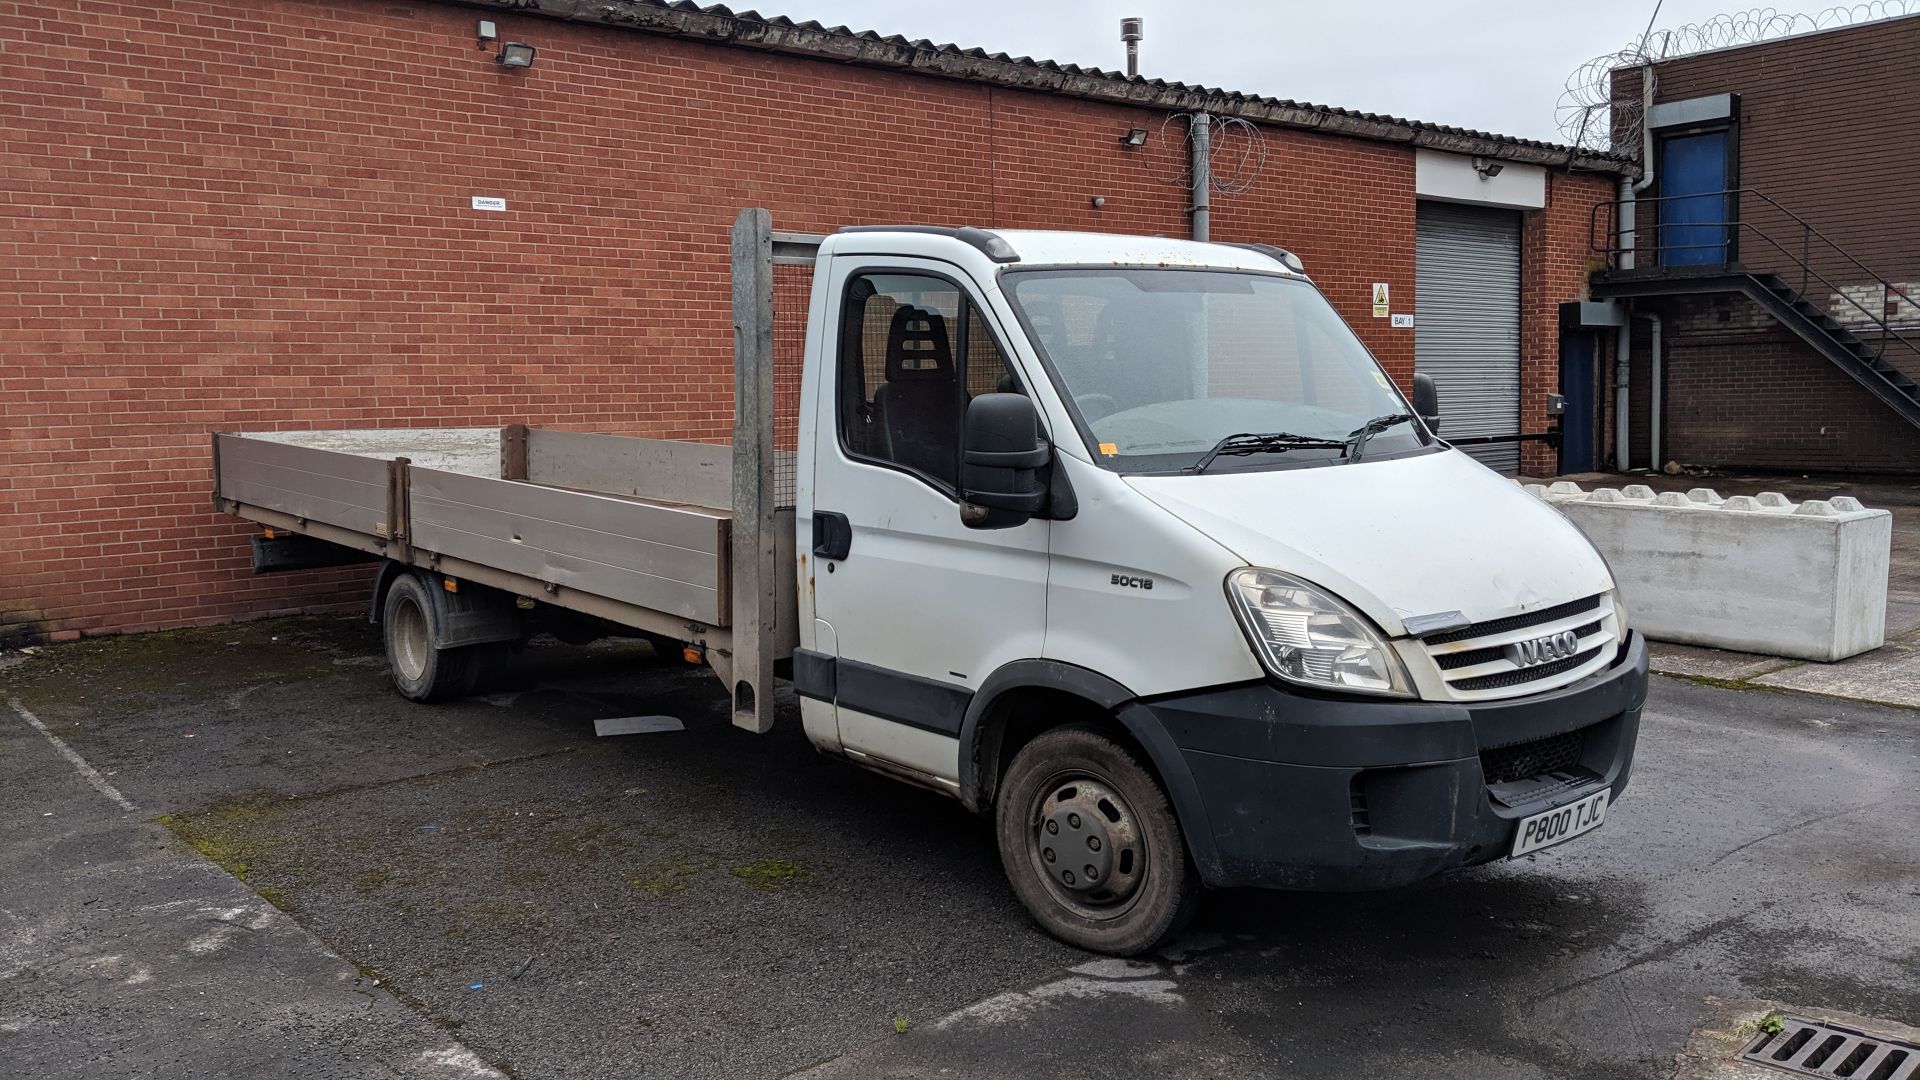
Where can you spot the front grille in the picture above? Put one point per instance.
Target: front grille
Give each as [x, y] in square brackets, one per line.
[1502, 764]
[1518, 676]
[1359, 816]
[1449, 661]
[1484, 661]
[1516, 622]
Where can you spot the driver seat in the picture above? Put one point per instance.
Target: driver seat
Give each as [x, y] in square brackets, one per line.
[917, 408]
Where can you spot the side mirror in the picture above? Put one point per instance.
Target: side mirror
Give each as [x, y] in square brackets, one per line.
[1426, 400]
[1001, 456]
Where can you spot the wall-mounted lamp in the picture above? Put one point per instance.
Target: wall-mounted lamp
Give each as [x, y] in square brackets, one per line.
[1487, 169]
[1135, 137]
[516, 54]
[487, 32]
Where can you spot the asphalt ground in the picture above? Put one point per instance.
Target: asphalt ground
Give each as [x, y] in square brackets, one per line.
[319, 878]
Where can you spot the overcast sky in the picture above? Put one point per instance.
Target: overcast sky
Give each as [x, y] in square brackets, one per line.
[1495, 65]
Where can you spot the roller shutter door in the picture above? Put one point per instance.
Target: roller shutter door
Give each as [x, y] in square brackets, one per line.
[1467, 322]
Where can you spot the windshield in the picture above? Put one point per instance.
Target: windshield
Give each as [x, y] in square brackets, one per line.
[1162, 365]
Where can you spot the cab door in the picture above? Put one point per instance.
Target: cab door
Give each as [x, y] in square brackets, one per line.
[919, 607]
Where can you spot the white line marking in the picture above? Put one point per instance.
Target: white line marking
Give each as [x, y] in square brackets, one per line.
[92, 774]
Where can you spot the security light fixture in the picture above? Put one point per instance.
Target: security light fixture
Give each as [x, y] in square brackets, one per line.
[1487, 169]
[486, 32]
[1135, 137]
[516, 54]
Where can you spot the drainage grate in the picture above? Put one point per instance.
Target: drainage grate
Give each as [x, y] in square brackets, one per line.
[1805, 1048]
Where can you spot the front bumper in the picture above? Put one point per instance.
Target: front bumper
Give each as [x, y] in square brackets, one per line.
[1321, 793]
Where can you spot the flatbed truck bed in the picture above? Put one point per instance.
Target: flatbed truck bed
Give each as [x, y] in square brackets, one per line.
[637, 532]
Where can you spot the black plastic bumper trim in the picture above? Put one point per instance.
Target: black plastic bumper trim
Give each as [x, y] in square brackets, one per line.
[1275, 775]
[813, 674]
[917, 702]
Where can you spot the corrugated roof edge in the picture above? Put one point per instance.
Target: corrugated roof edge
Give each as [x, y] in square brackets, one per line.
[748, 29]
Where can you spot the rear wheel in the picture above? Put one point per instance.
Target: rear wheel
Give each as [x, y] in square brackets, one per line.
[422, 671]
[1091, 845]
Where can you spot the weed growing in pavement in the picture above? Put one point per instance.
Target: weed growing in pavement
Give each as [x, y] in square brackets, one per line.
[667, 881]
[772, 875]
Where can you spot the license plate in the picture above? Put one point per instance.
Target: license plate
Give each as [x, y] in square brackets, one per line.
[1563, 823]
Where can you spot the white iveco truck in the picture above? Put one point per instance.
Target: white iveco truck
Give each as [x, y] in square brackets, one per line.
[1127, 542]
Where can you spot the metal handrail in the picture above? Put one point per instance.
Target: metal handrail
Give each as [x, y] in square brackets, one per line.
[1736, 228]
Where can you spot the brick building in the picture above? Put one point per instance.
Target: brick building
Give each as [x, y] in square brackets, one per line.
[228, 215]
[1778, 246]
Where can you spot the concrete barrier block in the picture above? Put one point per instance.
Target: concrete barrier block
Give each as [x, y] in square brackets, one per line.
[1756, 573]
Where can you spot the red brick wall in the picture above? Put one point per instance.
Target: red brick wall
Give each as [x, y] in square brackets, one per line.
[1743, 392]
[1555, 260]
[233, 216]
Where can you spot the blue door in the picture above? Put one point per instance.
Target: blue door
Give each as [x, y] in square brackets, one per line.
[1694, 208]
[1576, 385]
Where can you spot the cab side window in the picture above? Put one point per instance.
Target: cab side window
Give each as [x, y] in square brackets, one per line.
[914, 351]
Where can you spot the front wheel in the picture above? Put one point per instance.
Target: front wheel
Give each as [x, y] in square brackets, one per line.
[1091, 845]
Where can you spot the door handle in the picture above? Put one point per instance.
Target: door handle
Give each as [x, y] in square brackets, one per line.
[832, 535]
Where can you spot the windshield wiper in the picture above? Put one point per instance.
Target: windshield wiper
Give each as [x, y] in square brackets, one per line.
[1244, 443]
[1359, 437]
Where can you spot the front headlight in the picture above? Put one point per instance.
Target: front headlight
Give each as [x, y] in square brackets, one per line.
[1307, 636]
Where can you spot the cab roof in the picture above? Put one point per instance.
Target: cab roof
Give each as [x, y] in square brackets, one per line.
[1037, 247]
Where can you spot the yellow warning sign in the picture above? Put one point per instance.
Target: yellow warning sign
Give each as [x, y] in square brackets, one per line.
[1381, 306]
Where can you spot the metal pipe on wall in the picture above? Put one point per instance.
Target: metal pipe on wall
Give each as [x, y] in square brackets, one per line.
[1200, 140]
[1630, 189]
[1627, 224]
[1623, 226]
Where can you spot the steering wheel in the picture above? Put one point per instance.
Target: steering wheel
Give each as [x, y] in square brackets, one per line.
[1095, 406]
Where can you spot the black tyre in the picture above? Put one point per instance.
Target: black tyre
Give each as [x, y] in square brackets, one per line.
[1091, 844]
[422, 671]
[489, 663]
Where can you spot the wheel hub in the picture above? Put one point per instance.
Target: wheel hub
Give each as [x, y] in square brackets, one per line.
[1088, 842]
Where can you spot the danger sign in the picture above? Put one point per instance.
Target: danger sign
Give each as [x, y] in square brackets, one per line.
[1381, 306]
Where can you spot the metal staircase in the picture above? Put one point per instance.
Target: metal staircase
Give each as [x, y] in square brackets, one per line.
[1695, 256]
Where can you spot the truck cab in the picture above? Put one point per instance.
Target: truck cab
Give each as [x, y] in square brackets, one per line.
[1132, 543]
